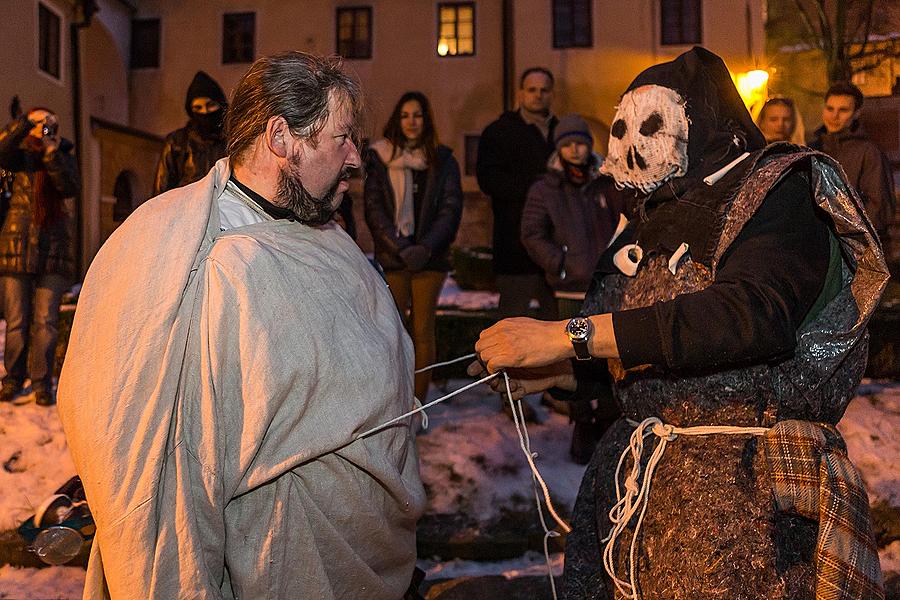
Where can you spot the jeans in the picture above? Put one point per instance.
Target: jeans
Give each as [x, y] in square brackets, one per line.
[418, 292]
[31, 308]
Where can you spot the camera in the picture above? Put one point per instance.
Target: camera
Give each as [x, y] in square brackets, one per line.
[49, 130]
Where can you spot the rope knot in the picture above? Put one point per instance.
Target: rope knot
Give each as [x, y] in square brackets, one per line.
[631, 485]
[664, 430]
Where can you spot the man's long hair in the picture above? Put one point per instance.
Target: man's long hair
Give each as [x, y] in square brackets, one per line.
[428, 141]
[294, 85]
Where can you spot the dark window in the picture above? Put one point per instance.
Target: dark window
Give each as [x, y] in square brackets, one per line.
[145, 43]
[471, 153]
[572, 24]
[239, 38]
[456, 29]
[681, 22]
[354, 32]
[48, 36]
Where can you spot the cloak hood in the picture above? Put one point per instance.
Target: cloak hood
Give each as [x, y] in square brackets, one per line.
[698, 99]
[204, 86]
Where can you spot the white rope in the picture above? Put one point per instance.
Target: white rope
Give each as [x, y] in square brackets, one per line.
[524, 443]
[445, 363]
[637, 490]
[536, 480]
[429, 405]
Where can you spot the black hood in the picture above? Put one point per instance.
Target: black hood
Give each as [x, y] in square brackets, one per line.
[204, 86]
[714, 108]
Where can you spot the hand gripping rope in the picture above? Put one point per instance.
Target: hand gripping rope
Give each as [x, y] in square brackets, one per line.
[524, 444]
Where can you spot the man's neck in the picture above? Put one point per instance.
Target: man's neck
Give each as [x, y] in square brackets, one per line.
[536, 118]
[256, 179]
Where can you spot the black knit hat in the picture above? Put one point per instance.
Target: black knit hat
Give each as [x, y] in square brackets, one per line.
[204, 86]
[572, 128]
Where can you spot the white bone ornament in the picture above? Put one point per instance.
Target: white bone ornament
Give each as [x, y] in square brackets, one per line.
[627, 259]
[648, 139]
[676, 257]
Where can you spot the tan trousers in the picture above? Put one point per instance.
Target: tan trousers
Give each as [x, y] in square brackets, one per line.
[416, 295]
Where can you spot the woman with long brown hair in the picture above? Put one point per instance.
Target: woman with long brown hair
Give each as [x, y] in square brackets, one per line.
[413, 207]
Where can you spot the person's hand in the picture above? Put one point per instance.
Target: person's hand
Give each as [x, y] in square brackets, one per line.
[521, 342]
[529, 381]
[415, 257]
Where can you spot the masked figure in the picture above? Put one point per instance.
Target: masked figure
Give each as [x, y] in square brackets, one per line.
[190, 152]
[739, 294]
[732, 310]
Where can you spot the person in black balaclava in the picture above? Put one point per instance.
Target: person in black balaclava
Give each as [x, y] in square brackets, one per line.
[731, 313]
[190, 152]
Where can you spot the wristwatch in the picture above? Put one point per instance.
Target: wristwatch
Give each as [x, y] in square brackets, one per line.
[579, 331]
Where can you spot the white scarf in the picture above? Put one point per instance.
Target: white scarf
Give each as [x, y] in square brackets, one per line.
[400, 172]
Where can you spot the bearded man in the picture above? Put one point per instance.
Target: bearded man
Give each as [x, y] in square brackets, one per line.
[736, 296]
[230, 345]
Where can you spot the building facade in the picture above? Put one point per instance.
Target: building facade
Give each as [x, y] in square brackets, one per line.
[137, 58]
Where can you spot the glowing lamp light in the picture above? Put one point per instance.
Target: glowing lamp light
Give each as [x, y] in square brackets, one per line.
[443, 48]
[752, 86]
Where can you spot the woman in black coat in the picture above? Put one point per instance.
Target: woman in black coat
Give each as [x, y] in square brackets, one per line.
[413, 204]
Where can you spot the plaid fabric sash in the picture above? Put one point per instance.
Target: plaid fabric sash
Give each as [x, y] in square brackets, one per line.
[812, 477]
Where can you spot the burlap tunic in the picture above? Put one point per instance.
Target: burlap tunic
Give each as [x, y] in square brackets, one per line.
[213, 388]
[711, 530]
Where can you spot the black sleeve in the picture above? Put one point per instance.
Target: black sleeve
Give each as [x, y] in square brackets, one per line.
[498, 174]
[378, 217]
[766, 283]
[12, 158]
[445, 224]
[62, 167]
[168, 169]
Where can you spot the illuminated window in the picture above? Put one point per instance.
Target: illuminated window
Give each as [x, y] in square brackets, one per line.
[354, 32]
[572, 24]
[456, 29]
[681, 22]
[238, 38]
[49, 41]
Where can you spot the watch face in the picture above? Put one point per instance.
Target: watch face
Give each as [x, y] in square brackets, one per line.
[578, 328]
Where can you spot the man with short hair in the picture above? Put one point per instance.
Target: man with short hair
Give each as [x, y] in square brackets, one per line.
[231, 344]
[191, 151]
[512, 154]
[866, 166]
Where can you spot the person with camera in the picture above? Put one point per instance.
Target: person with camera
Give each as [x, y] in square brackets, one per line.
[37, 248]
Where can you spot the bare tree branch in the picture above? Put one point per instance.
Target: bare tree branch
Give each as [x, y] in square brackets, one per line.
[868, 19]
[814, 35]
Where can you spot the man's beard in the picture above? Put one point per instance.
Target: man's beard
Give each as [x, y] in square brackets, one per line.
[293, 195]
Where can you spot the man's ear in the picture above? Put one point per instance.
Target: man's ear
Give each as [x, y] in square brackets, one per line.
[277, 134]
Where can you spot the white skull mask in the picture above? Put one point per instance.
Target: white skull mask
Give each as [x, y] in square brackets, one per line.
[649, 138]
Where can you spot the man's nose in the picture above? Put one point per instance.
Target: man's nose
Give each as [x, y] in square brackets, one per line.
[353, 159]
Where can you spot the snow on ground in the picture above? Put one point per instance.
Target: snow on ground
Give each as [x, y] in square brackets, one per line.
[471, 460]
[52, 583]
[454, 297]
[870, 427]
[34, 457]
[532, 563]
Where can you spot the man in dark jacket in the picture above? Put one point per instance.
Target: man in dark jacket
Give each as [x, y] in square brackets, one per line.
[866, 166]
[190, 152]
[512, 153]
[37, 248]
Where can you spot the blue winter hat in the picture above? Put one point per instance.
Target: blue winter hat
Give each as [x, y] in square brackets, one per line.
[572, 128]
